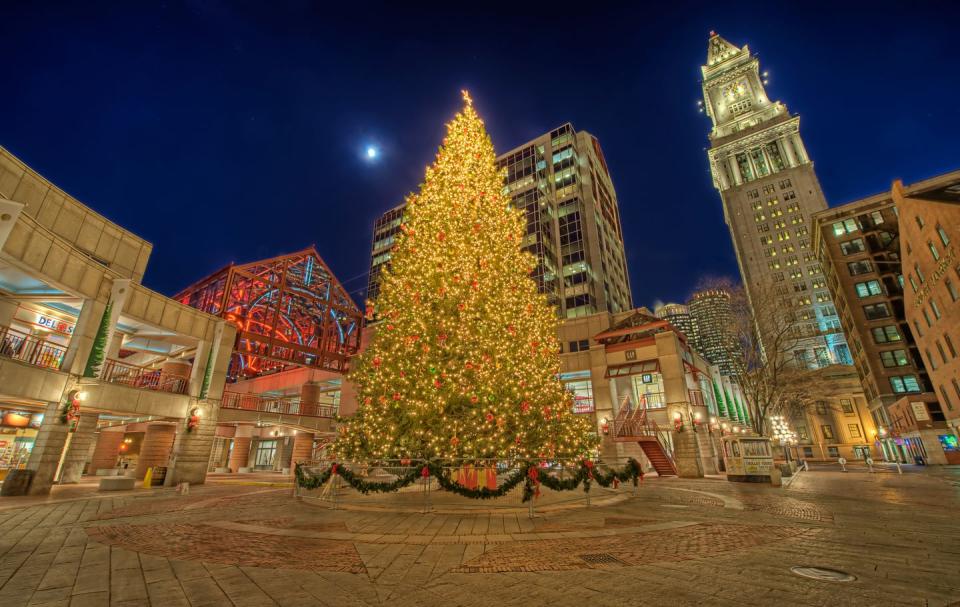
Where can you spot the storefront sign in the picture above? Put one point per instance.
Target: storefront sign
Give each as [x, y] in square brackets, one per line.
[55, 324]
[20, 419]
[920, 411]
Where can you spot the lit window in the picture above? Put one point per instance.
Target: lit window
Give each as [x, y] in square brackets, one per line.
[933, 250]
[882, 335]
[852, 246]
[904, 383]
[868, 288]
[877, 217]
[894, 358]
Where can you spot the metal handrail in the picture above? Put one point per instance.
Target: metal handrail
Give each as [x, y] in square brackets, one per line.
[30, 349]
[144, 378]
[281, 406]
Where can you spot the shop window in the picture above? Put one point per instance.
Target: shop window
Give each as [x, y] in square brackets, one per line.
[808, 451]
[833, 451]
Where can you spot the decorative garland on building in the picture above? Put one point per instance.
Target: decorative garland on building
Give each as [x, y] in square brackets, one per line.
[530, 474]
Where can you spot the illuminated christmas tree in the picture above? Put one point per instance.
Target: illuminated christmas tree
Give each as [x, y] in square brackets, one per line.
[465, 360]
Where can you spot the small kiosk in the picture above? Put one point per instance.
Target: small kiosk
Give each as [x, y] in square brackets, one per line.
[748, 458]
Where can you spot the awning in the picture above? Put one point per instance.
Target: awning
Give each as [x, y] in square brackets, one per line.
[637, 368]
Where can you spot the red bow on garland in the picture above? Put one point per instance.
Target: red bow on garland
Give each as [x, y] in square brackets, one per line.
[534, 475]
[425, 472]
[589, 466]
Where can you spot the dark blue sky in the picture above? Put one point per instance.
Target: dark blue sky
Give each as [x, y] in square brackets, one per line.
[234, 131]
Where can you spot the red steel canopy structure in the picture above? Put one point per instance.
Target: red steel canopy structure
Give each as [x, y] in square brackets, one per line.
[289, 311]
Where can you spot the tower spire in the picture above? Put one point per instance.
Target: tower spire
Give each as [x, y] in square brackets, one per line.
[719, 49]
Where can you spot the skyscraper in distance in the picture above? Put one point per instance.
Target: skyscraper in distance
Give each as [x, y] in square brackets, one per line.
[561, 182]
[678, 315]
[769, 191]
[710, 312]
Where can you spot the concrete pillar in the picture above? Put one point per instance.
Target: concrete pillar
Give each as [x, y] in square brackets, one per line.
[285, 451]
[113, 350]
[686, 450]
[8, 308]
[191, 452]
[240, 453]
[91, 311]
[302, 448]
[47, 450]
[107, 449]
[707, 454]
[9, 211]
[156, 447]
[82, 443]
[85, 331]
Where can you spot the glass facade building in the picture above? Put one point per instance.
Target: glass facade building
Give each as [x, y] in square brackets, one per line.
[561, 182]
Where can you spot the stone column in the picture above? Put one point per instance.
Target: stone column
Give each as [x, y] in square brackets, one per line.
[734, 169]
[686, 450]
[47, 450]
[191, 452]
[156, 446]
[107, 449]
[81, 446]
[787, 151]
[707, 455]
[801, 150]
[240, 454]
[718, 169]
[302, 448]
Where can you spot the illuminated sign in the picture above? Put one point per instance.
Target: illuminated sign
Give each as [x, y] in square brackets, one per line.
[54, 324]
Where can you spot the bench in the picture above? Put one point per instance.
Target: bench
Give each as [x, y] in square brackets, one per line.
[117, 483]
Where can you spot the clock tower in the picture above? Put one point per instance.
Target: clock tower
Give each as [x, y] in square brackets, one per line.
[769, 192]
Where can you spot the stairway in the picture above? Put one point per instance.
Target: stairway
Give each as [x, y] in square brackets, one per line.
[659, 459]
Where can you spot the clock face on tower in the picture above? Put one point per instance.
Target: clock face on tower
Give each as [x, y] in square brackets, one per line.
[735, 90]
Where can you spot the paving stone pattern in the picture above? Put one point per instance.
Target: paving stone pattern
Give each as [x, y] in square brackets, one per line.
[679, 542]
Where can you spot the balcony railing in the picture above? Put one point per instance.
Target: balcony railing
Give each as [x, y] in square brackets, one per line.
[116, 372]
[281, 406]
[30, 349]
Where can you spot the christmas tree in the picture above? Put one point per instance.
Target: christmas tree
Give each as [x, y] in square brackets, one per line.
[465, 362]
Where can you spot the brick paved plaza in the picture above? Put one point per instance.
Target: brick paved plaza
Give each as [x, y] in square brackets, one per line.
[705, 542]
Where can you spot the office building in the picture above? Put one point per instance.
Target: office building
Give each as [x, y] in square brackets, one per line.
[561, 182]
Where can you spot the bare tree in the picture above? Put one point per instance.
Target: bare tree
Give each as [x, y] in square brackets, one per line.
[763, 335]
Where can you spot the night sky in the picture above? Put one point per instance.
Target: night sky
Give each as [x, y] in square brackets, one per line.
[231, 132]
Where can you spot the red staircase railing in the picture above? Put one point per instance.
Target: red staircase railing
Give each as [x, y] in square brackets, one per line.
[30, 349]
[144, 378]
[281, 406]
[635, 424]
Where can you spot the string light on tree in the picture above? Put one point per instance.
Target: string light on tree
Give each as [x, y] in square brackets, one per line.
[465, 363]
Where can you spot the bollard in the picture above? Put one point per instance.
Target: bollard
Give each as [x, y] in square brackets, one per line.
[147, 479]
[870, 465]
[843, 463]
